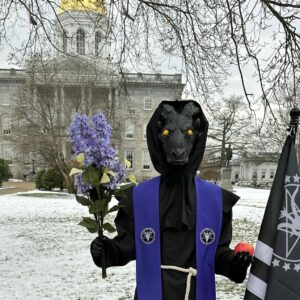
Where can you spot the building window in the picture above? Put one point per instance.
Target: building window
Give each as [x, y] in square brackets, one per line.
[145, 131]
[263, 174]
[129, 155]
[146, 162]
[65, 42]
[147, 104]
[236, 177]
[272, 174]
[97, 43]
[7, 154]
[80, 41]
[6, 92]
[129, 129]
[6, 125]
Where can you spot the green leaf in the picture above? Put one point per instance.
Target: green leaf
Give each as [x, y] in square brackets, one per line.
[75, 171]
[105, 179]
[85, 176]
[126, 186]
[108, 227]
[120, 194]
[91, 175]
[97, 206]
[83, 200]
[90, 224]
[114, 208]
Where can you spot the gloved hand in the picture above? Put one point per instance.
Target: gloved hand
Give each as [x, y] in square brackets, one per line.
[97, 246]
[244, 259]
[240, 263]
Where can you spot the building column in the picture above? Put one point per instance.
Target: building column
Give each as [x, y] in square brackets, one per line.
[90, 99]
[83, 99]
[62, 103]
[111, 105]
[56, 104]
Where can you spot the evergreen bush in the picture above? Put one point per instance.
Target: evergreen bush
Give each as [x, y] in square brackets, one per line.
[5, 173]
[39, 179]
[52, 179]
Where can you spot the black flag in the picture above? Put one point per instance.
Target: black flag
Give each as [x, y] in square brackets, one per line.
[275, 272]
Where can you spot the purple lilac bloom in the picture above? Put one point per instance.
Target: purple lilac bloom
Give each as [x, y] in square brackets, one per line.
[117, 167]
[91, 136]
[102, 128]
[120, 172]
[80, 133]
[89, 133]
[82, 187]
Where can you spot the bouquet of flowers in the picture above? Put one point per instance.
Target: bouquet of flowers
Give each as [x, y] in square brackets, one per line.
[98, 172]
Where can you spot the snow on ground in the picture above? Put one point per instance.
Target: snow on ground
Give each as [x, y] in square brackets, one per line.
[7, 187]
[44, 254]
[15, 180]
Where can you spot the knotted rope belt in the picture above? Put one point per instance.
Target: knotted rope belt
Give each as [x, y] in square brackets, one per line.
[191, 272]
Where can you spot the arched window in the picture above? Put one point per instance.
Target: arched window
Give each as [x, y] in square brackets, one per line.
[97, 43]
[80, 41]
[65, 42]
[129, 130]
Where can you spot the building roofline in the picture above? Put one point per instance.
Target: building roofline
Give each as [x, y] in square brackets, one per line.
[10, 69]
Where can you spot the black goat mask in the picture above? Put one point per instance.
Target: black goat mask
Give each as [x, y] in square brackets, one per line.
[178, 131]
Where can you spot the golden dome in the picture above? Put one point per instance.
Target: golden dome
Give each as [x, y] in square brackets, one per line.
[96, 6]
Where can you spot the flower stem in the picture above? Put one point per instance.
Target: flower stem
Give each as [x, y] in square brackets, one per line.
[100, 233]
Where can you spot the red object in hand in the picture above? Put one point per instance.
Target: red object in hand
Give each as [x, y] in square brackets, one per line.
[244, 247]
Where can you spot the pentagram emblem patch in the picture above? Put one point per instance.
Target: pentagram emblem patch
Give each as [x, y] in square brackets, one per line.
[287, 250]
[147, 236]
[207, 236]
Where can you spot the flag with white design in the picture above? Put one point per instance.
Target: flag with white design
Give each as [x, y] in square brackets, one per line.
[275, 272]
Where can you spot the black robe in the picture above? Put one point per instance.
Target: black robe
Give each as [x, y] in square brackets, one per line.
[177, 242]
[177, 217]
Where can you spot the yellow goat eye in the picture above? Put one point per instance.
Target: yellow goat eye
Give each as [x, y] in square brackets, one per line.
[166, 132]
[189, 132]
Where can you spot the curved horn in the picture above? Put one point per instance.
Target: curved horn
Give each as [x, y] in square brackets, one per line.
[167, 110]
[190, 109]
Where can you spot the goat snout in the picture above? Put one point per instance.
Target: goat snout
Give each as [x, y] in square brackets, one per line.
[178, 153]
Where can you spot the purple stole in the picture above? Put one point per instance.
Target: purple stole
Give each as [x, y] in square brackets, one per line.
[147, 238]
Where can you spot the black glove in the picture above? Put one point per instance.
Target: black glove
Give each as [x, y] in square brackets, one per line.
[244, 258]
[240, 263]
[97, 246]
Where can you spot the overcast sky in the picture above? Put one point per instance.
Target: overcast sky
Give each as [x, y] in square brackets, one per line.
[20, 30]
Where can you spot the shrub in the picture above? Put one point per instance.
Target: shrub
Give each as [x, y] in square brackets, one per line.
[52, 179]
[5, 173]
[48, 179]
[39, 179]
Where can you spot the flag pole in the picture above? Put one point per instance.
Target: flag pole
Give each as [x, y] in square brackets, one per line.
[294, 114]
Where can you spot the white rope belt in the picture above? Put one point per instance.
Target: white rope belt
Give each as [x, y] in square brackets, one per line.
[191, 272]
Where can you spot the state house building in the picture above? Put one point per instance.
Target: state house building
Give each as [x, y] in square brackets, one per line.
[82, 78]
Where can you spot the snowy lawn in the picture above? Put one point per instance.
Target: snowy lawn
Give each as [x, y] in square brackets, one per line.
[44, 254]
